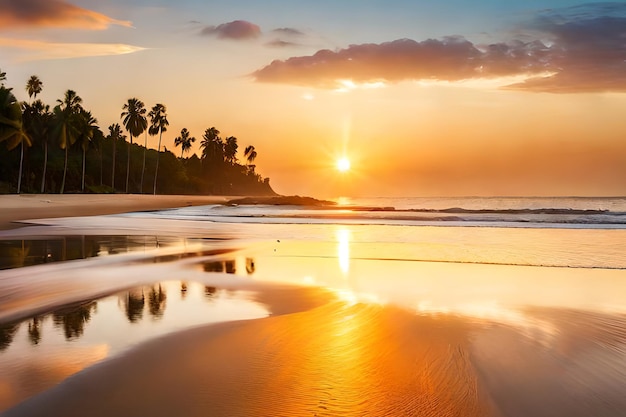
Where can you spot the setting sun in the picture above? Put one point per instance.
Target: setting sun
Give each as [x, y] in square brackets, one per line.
[343, 164]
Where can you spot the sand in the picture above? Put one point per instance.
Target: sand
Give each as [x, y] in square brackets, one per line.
[336, 359]
[15, 208]
[318, 354]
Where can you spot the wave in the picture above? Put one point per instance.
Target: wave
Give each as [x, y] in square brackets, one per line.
[453, 216]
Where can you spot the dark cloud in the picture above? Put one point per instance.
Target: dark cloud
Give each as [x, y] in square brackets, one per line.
[237, 30]
[52, 13]
[588, 48]
[576, 49]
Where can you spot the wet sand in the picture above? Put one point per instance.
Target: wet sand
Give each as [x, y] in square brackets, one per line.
[336, 359]
[517, 345]
[15, 208]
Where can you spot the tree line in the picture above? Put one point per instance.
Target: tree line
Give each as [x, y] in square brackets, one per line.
[62, 149]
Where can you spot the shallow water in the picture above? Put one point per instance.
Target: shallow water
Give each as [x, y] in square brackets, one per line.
[412, 320]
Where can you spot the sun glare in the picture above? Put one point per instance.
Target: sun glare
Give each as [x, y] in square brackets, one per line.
[343, 164]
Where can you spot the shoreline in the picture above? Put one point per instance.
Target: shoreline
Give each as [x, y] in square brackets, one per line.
[20, 207]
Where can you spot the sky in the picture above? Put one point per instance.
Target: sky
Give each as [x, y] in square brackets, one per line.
[447, 98]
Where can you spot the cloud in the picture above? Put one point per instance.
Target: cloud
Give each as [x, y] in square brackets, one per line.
[53, 13]
[288, 32]
[588, 48]
[279, 43]
[575, 49]
[32, 50]
[237, 30]
[448, 59]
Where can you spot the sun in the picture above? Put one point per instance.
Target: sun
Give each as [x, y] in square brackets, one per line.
[343, 164]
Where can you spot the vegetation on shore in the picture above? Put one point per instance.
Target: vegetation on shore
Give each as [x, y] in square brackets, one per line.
[62, 149]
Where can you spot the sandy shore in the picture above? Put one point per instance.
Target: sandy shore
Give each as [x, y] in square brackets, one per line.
[14, 208]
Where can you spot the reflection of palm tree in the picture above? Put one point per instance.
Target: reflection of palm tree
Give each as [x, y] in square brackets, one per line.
[156, 301]
[34, 330]
[209, 291]
[73, 320]
[250, 267]
[7, 332]
[134, 306]
[213, 266]
[229, 267]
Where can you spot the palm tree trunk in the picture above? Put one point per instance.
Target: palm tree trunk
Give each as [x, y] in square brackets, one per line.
[113, 167]
[101, 163]
[156, 170]
[143, 165]
[45, 166]
[128, 163]
[64, 172]
[19, 179]
[82, 183]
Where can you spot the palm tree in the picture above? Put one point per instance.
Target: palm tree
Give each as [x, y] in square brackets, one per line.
[185, 141]
[33, 86]
[135, 123]
[66, 124]
[11, 126]
[212, 145]
[250, 154]
[158, 124]
[230, 149]
[86, 130]
[38, 125]
[3, 77]
[115, 133]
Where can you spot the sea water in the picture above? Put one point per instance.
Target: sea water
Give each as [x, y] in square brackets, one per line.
[540, 281]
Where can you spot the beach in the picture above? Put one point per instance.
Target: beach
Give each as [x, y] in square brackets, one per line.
[239, 311]
[36, 206]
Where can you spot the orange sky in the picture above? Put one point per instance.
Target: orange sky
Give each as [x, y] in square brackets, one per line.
[496, 100]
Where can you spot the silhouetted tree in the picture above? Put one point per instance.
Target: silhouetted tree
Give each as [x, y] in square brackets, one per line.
[212, 145]
[230, 149]
[184, 140]
[135, 122]
[33, 86]
[11, 127]
[66, 124]
[115, 134]
[38, 125]
[86, 130]
[158, 124]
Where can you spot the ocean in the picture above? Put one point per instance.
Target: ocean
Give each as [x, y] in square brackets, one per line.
[374, 306]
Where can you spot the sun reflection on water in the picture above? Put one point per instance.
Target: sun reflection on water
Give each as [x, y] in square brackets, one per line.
[343, 250]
